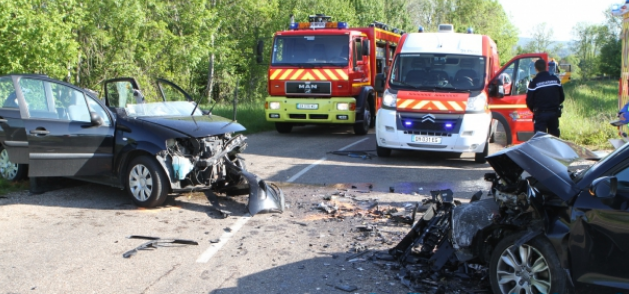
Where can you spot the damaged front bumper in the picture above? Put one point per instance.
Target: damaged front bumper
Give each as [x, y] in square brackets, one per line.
[213, 163]
[262, 197]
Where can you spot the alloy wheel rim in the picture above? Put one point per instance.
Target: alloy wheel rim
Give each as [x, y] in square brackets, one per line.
[140, 182]
[523, 270]
[8, 169]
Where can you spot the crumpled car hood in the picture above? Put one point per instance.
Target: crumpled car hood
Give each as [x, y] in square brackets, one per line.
[197, 126]
[544, 157]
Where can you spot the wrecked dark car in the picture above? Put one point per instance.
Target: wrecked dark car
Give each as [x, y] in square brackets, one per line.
[150, 144]
[554, 222]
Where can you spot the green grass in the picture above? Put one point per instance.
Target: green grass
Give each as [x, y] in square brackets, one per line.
[249, 114]
[8, 186]
[588, 109]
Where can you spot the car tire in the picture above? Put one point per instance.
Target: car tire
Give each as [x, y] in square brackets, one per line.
[361, 128]
[11, 171]
[540, 269]
[283, 128]
[146, 182]
[372, 123]
[383, 152]
[480, 157]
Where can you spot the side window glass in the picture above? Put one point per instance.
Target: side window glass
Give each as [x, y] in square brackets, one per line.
[119, 94]
[70, 103]
[524, 74]
[95, 107]
[34, 95]
[623, 179]
[8, 98]
[507, 76]
[171, 93]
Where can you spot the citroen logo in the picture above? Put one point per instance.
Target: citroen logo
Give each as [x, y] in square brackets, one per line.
[428, 117]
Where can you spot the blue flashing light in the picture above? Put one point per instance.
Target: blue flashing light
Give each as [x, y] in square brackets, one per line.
[342, 25]
[420, 29]
[294, 26]
[448, 125]
[408, 123]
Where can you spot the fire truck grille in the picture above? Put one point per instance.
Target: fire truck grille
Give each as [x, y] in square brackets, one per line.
[318, 116]
[297, 116]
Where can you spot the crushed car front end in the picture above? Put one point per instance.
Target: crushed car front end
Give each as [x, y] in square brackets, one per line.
[520, 233]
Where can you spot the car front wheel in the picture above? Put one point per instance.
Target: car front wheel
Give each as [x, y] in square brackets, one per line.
[147, 183]
[532, 267]
[11, 171]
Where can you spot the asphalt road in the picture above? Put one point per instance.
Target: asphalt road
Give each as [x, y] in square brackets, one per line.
[72, 239]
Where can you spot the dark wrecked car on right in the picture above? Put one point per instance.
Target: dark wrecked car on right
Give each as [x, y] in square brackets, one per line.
[554, 222]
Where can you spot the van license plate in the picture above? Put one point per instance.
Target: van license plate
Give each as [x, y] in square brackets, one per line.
[307, 106]
[426, 139]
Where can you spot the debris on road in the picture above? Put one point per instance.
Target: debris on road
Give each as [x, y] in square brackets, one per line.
[154, 243]
[362, 154]
[327, 208]
[346, 288]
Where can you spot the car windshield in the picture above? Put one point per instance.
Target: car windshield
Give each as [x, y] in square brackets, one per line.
[438, 71]
[162, 98]
[170, 108]
[311, 50]
[608, 157]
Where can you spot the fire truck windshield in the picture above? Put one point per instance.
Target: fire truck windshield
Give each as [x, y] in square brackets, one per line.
[435, 71]
[311, 50]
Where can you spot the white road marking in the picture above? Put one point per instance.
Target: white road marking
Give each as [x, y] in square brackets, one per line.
[303, 171]
[207, 255]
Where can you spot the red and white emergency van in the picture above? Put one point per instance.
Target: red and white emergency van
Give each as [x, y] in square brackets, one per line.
[443, 91]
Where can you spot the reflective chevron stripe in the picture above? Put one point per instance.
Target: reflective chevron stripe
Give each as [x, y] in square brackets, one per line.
[308, 74]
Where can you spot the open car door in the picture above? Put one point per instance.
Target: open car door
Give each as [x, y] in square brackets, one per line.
[507, 97]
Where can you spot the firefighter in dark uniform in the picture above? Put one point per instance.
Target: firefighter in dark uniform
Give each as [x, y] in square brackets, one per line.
[544, 98]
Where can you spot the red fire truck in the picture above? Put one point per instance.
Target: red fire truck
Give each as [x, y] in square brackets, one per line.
[322, 72]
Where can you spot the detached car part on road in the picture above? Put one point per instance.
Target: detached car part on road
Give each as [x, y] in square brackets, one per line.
[149, 145]
[549, 227]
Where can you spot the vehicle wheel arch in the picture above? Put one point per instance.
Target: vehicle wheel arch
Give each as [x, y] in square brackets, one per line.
[368, 94]
[505, 124]
[129, 155]
[486, 240]
[559, 278]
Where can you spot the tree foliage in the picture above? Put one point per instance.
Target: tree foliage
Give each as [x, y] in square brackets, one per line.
[85, 42]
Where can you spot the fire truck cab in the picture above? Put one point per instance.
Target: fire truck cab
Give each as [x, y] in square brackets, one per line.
[322, 72]
[445, 89]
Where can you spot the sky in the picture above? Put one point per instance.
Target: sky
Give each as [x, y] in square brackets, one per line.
[560, 15]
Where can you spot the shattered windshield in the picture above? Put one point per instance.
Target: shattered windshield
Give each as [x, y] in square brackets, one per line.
[438, 71]
[311, 50]
[174, 108]
[162, 98]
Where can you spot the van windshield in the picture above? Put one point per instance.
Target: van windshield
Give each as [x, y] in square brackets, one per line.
[434, 71]
[311, 50]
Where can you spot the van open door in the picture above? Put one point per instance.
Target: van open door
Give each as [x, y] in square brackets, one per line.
[507, 99]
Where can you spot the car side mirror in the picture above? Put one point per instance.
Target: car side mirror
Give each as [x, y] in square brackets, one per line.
[379, 83]
[95, 119]
[496, 88]
[604, 187]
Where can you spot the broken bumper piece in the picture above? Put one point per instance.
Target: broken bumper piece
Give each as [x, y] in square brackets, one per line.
[263, 197]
